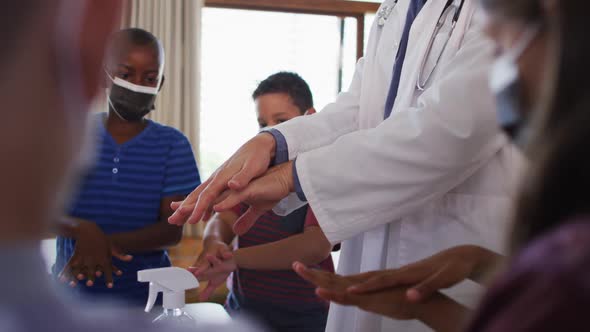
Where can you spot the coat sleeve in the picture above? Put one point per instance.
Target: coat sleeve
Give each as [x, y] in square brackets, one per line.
[373, 177]
[306, 133]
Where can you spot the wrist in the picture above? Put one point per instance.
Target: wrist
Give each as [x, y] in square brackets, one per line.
[269, 142]
[483, 261]
[79, 227]
[116, 242]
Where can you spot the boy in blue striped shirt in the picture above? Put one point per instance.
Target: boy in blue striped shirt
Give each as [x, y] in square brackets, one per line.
[142, 167]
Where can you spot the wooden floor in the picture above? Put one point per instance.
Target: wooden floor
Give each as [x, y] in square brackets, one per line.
[185, 255]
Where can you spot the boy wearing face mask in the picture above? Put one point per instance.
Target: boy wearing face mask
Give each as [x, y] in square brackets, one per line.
[141, 167]
[262, 282]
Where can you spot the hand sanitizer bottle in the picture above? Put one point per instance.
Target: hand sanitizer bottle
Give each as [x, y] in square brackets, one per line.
[172, 282]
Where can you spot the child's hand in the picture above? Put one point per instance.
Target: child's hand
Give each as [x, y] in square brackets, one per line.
[214, 265]
[92, 257]
[218, 267]
[214, 248]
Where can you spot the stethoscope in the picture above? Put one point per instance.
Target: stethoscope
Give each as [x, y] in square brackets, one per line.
[423, 80]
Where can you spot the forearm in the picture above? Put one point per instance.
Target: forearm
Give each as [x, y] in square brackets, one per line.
[309, 248]
[158, 236]
[443, 314]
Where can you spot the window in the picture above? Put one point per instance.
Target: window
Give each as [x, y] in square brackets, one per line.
[242, 47]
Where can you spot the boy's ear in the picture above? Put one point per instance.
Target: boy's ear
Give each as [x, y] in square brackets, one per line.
[310, 111]
[162, 83]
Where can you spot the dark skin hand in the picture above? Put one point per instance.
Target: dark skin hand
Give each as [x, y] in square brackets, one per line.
[440, 271]
[92, 256]
[439, 312]
[94, 249]
[334, 287]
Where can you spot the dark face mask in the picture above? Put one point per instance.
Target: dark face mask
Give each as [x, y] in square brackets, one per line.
[131, 102]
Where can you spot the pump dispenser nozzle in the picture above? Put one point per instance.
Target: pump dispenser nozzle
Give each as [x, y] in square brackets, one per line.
[172, 282]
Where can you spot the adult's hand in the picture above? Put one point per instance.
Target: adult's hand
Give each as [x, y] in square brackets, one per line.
[213, 255]
[334, 288]
[428, 276]
[92, 257]
[250, 161]
[262, 195]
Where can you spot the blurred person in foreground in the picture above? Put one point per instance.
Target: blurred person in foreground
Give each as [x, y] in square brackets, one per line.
[52, 67]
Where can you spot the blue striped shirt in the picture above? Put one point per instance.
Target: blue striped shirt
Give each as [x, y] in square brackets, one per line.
[123, 193]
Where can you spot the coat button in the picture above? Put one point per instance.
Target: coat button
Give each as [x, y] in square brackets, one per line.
[115, 170]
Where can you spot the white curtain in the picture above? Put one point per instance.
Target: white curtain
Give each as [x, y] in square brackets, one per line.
[177, 23]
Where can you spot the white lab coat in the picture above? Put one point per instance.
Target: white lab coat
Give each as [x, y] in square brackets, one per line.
[436, 174]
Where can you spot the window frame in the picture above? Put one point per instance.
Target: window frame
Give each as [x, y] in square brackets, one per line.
[337, 8]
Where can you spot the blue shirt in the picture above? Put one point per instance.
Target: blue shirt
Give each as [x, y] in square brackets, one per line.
[123, 192]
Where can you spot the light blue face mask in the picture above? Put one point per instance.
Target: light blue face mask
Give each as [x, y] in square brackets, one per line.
[505, 84]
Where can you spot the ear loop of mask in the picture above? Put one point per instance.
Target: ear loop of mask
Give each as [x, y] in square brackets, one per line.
[133, 87]
[109, 98]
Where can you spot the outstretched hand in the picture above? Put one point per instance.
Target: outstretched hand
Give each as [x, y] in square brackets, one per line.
[249, 162]
[92, 257]
[261, 195]
[426, 277]
[332, 287]
[214, 265]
